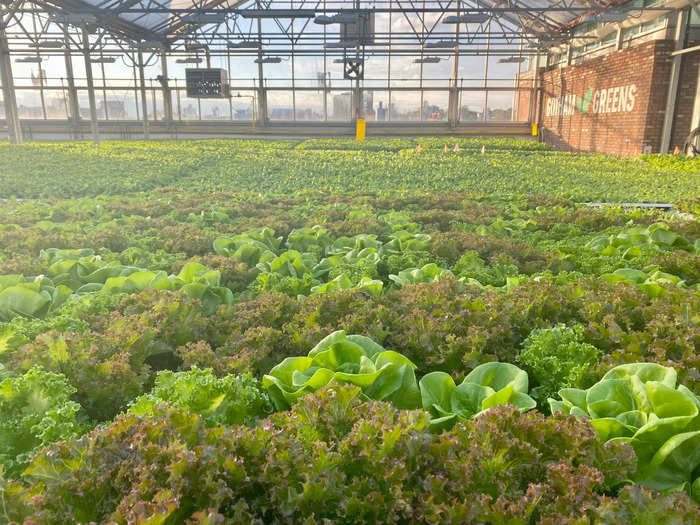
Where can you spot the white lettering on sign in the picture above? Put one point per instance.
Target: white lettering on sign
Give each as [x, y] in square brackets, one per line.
[617, 99]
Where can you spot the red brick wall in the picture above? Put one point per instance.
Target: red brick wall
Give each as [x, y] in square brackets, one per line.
[617, 125]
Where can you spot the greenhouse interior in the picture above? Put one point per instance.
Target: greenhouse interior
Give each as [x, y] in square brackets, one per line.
[348, 262]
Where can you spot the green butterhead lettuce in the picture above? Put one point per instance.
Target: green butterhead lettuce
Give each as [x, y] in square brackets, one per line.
[641, 404]
[383, 375]
[487, 386]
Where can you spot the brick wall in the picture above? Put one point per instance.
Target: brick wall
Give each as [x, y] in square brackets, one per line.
[611, 104]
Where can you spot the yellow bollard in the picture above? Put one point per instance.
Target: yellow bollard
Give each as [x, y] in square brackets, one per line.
[534, 130]
[361, 129]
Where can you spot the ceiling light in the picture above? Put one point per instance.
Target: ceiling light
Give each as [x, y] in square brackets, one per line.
[195, 46]
[211, 18]
[73, 18]
[470, 18]
[346, 18]
[29, 60]
[343, 60]
[427, 60]
[440, 43]
[511, 60]
[268, 60]
[49, 44]
[103, 60]
[245, 44]
[323, 20]
[189, 60]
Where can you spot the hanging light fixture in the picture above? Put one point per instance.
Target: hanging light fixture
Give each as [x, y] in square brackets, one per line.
[427, 60]
[440, 44]
[189, 60]
[73, 18]
[49, 44]
[103, 60]
[29, 60]
[469, 18]
[245, 44]
[268, 60]
[195, 46]
[343, 60]
[208, 18]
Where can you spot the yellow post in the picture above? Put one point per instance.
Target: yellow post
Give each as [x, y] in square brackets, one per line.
[361, 129]
[534, 129]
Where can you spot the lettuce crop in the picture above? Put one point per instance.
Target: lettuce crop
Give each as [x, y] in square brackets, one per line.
[230, 400]
[35, 410]
[558, 358]
[487, 386]
[383, 375]
[639, 403]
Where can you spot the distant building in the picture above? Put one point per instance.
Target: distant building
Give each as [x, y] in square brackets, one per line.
[467, 114]
[381, 112]
[115, 109]
[342, 106]
[500, 114]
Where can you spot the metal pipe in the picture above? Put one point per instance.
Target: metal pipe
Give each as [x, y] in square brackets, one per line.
[72, 92]
[262, 96]
[41, 76]
[486, 72]
[91, 87]
[104, 90]
[144, 104]
[14, 128]
[452, 109]
[167, 95]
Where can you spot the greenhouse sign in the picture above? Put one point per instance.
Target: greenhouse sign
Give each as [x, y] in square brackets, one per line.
[618, 99]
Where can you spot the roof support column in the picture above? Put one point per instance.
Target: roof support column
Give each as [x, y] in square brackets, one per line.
[262, 95]
[357, 95]
[672, 95]
[144, 103]
[73, 107]
[14, 128]
[91, 87]
[453, 101]
[167, 95]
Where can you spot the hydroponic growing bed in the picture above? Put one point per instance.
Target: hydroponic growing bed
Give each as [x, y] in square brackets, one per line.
[330, 331]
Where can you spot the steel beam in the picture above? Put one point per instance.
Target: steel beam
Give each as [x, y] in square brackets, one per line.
[91, 87]
[144, 102]
[14, 127]
[73, 107]
[167, 94]
[453, 98]
[262, 95]
[672, 95]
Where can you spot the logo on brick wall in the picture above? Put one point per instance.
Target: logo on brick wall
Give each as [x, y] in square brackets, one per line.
[618, 99]
[583, 103]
